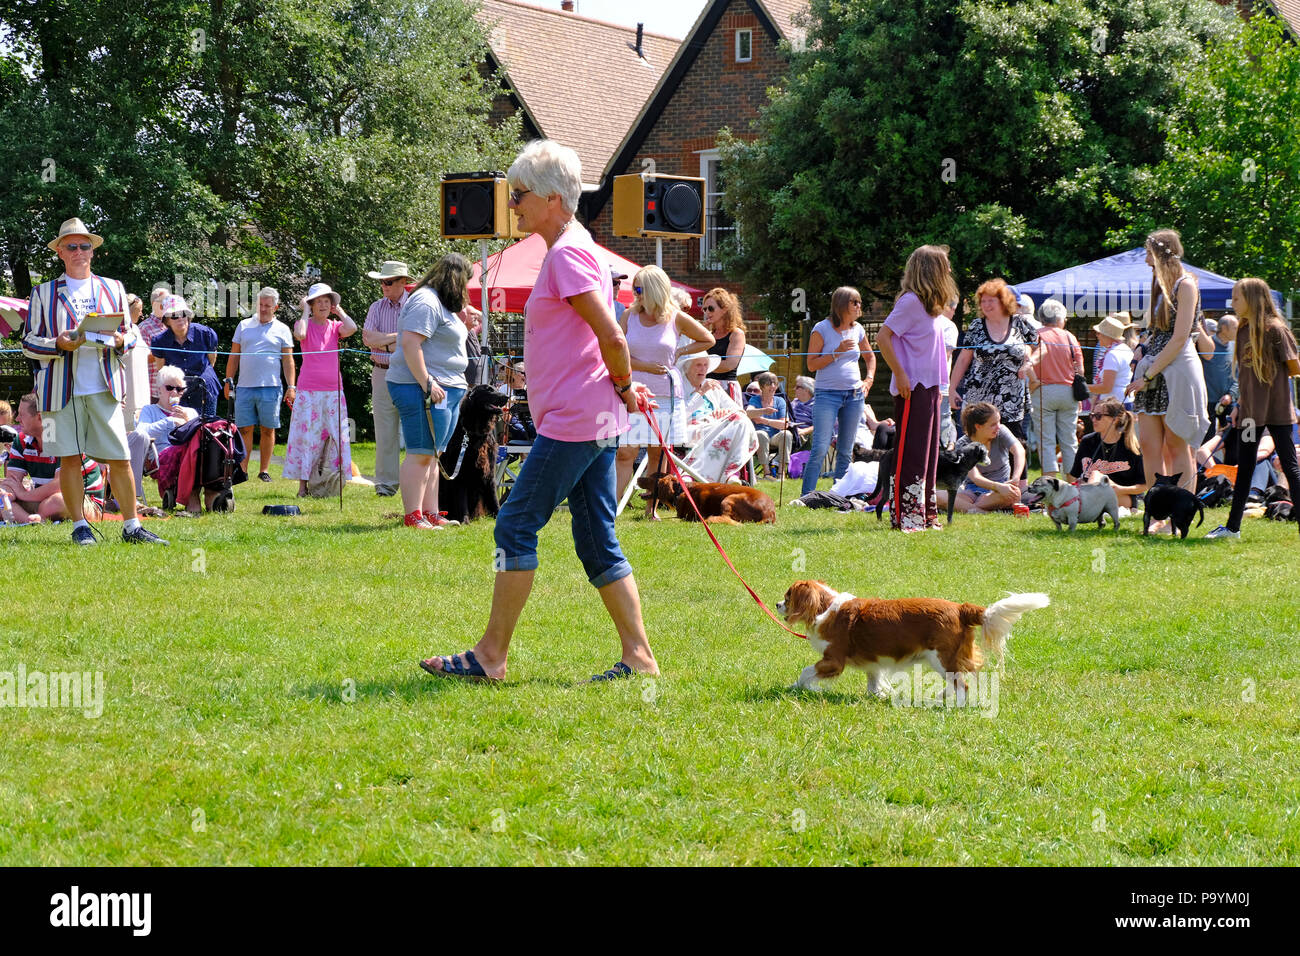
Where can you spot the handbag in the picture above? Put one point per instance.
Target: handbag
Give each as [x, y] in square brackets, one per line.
[1080, 388]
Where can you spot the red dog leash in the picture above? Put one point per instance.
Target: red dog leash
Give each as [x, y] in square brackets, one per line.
[896, 519]
[644, 406]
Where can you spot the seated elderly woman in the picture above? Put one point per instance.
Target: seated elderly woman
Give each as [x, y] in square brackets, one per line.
[157, 421]
[719, 434]
[801, 406]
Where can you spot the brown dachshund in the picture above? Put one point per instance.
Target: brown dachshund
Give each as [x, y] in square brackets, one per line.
[719, 503]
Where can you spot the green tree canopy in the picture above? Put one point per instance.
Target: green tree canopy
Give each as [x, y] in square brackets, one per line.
[240, 141]
[997, 127]
[1231, 180]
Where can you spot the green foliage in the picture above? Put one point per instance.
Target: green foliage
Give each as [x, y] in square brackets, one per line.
[1034, 110]
[241, 141]
[1231, 180]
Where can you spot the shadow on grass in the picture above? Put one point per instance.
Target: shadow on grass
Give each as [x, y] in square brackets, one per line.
[418, 686]
[758, 695]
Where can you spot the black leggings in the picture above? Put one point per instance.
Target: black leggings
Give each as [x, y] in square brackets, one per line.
[1246, 452]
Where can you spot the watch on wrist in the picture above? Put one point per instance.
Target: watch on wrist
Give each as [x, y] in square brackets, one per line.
[623, 389]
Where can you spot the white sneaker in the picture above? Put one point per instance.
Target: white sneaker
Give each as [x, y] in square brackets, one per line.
[1222, 532]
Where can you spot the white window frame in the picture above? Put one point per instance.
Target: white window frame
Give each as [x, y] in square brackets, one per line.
[747, 32]
[709, 159]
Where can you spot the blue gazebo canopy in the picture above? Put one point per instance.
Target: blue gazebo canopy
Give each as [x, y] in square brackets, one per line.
[1120, 283]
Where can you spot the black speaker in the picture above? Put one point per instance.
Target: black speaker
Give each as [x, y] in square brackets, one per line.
[476, 206]
[658, 206]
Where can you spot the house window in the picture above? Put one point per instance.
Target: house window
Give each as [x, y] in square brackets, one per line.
[744, 46]
[718, 226]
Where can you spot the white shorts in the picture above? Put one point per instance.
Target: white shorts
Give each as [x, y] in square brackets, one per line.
[91, 425]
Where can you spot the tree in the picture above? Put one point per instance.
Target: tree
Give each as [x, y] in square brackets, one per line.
[237, 143]
[1230, 181]
[997, 127]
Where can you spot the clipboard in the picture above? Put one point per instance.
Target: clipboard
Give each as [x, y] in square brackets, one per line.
[105, 322]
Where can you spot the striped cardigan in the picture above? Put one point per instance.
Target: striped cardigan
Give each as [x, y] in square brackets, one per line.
[49, 314]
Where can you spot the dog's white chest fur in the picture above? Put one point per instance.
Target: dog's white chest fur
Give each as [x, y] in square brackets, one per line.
[814, 639]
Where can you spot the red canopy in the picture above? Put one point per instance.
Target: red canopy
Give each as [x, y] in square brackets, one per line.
[12, 313]
[514, 270]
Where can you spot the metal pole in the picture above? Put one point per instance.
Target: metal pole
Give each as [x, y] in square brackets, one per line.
[483, 330]
[659, 252]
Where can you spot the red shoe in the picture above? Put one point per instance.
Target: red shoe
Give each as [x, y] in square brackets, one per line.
[416, 520]
[439, 520]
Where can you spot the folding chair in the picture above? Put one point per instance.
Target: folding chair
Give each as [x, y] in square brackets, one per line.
[510, 459]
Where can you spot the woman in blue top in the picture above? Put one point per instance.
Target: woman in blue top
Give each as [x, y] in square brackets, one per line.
[837, 345]
[188, 346]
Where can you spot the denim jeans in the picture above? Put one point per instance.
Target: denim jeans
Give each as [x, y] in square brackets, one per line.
[828, 405]
[584, 472]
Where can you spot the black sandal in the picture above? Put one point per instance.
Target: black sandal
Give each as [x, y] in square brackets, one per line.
[618, 672]
[451, 667]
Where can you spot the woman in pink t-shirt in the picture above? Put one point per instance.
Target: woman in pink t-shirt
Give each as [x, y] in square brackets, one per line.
[319, 410]
[911, 342]
[580, 391]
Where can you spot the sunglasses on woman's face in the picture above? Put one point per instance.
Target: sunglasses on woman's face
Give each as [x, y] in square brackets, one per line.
[710, 308]
[637, 289]
[174, 388]
[1098, 416]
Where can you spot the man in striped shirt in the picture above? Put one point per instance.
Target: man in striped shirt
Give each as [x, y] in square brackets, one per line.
[27, 459]
[380, 335]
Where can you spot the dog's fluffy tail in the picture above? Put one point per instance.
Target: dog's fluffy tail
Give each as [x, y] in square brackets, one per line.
[1000, 616]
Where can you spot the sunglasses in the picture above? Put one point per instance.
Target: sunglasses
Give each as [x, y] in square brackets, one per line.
[1099, 415]
[388, 282]
[637, 289]
[855, 301]
[518, 194]
[174, 388]
[710, 308]
[79, 247]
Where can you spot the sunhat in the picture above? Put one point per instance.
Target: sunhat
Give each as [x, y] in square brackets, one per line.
[75, 227]
[319, 289]
[1111, 327]
[392, 269]
[685, 360]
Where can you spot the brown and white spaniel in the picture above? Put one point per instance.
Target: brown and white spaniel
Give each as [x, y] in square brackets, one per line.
[882, 636]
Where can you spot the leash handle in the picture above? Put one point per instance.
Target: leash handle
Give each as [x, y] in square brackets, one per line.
[654, 425]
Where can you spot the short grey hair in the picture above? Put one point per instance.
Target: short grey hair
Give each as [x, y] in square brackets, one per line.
[1052, 312]
[681, 298]
[549, 169]
[266, 292]
[158, 293]
[170, 375]
[807, 383]
[766, 379]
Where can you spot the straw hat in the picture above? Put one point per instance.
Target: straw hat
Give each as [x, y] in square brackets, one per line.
[685, 360]
[1111, 327]
[319, 289]
[75, 227]
[392, 269]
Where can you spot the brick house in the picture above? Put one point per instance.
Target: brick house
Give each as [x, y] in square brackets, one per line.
[719, 78]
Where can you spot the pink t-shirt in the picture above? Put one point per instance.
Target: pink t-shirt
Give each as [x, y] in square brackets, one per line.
[320, 361]
[918, 343]
[569, 392]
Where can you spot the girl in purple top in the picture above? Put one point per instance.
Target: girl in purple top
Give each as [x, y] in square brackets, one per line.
[911, 343]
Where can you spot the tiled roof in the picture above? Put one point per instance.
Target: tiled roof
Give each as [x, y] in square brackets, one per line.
[782, 13]
[1289, 10]
[579, 79]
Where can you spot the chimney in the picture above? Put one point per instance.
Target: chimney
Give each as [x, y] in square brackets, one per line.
[568, 6]
[640, 29]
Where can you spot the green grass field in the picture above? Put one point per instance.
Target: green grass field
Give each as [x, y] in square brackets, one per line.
[263, 703]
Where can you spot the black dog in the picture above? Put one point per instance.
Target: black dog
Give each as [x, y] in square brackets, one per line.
[1166, 500]
[469, 463]
[954, 466]
[1280, 510]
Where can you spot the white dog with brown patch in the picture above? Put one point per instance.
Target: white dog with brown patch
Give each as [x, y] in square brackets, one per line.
[882, 636]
